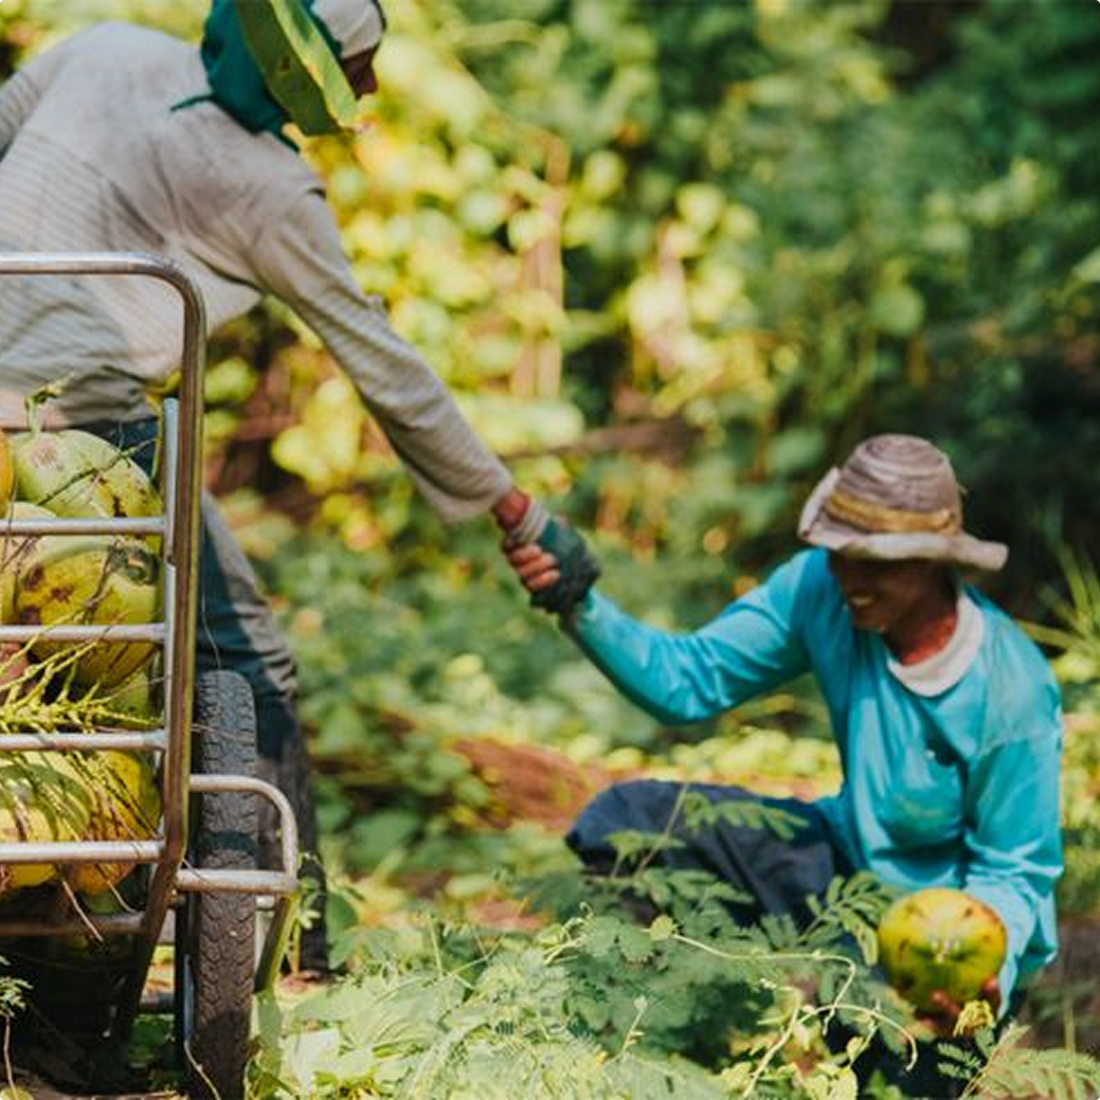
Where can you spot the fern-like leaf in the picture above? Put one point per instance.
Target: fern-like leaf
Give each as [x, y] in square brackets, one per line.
[1015, 1071]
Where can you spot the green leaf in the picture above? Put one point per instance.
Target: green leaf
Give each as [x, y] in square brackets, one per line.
[1088, 269]
[601, 934]
[635, 943]
[897, 310]
[662, 928]
[377, 835]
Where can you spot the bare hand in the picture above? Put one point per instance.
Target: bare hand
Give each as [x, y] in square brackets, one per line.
[944, 1015]
[511, 508]
[536, 569]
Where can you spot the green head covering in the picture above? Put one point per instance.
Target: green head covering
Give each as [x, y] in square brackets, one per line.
[242, 42]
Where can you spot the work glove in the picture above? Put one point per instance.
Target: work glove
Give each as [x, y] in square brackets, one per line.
[576, 566]
[551, 560]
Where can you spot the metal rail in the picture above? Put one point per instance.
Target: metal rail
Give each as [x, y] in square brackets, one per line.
[123, 525]
[188, 879]
[181, 485]
[237, 882]
[68, 632]
[121, 741]
[178, 530]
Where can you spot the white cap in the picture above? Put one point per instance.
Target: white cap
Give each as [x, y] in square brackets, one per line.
[357, 25]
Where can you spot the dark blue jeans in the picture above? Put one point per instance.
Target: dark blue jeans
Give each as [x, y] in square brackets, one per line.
[779, 873]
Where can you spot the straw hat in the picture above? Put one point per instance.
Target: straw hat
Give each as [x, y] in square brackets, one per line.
[895, 498]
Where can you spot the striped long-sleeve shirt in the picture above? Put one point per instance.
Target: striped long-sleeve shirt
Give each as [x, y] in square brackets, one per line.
[92, 157]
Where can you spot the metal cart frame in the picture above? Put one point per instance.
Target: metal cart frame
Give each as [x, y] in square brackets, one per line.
[179, 530]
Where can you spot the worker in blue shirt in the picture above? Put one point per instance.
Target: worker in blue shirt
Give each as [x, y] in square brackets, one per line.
[946, 716]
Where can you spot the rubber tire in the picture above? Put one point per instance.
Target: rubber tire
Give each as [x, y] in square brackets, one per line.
[216, 945]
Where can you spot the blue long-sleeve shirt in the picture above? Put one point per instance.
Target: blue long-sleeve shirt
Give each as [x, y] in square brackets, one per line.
[957, 789]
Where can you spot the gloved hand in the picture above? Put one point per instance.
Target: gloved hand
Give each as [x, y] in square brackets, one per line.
[557, 568]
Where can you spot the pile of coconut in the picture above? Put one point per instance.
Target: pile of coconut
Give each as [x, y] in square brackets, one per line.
[49, 686]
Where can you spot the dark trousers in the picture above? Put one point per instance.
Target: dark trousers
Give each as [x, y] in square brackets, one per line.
[778, 873]
[236, 630]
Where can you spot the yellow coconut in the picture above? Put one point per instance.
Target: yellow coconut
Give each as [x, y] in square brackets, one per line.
[940, 940]
[64, 796]
[7, 471]
[126, 806]
[42, 798]
[14, 552]
[94, 580]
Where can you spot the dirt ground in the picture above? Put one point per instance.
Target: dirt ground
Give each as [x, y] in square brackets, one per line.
[533, 783]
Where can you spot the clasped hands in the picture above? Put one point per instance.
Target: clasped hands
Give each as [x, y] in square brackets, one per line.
[551, 560]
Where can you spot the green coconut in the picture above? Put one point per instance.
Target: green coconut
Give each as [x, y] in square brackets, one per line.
[77, 474]
[133, 704]
[940, 939]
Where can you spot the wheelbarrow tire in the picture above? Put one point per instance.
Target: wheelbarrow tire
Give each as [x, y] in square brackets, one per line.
[216, 959]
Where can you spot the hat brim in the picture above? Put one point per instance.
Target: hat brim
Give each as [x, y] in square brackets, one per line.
[818, 528]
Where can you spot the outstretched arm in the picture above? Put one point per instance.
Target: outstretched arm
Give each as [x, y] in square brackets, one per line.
[301, 260]
[753, 646]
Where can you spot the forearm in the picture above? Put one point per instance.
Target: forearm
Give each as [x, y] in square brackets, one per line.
[623, 653]
[755, 645]
[304, 265]
[677, 678]
[454, 470]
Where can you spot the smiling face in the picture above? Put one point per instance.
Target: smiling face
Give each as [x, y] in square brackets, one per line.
[902, 600]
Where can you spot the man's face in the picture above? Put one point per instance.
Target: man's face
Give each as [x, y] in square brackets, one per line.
[883, 596]
[359, 69]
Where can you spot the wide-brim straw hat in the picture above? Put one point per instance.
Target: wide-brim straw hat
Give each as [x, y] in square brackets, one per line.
[896, 498]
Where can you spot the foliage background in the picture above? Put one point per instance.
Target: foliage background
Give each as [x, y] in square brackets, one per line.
[674, 259]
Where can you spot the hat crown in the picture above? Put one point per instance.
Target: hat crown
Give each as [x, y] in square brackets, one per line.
[896, 498]
[901, 473]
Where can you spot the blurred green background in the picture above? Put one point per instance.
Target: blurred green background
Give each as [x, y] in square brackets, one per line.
[674, 259]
